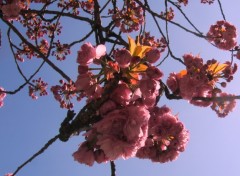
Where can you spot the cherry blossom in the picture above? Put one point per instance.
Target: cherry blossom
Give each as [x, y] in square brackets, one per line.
[167, 137]
[2, 96]
[223, 35]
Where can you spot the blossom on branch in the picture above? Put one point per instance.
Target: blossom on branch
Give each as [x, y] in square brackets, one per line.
[167, 137]
[2, 96]
[223, 35]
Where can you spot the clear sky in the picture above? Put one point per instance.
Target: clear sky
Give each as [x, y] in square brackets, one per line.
[25, 124]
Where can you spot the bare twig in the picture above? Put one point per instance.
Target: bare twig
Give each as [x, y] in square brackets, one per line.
[45, 147]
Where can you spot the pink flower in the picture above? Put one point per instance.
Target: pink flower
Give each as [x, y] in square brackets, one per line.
[173, 82]
[123, 57]
[153, 55]
[223, 104]
[84, 82]
[192, 62]
[107, 107]
[204, 91]
[84, 154]
[87, 53]
[2, 96]
[11, 11]
[122, 94]
[82, 69]
[122, 132]
[149, 87]
[100, 156]
[223, 35]
[95, 91]
[154, 73]
[100, 51]
[167, 137]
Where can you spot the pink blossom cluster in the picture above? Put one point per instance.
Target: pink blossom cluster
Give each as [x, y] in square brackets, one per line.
[86, 82]
[64, 93]
[223, 35]
[224, 105]
[129, 18]
[71, 6]
[61, 50]
[2, 96]
[87, 5]
[199, 80]
[148, 40]
[168, 15]
[29, 53]
[11, 10]
[125, 123]
[167, 137]
[120, 133]
[40, 86]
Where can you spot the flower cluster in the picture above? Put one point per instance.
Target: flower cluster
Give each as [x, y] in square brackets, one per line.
[130, 106]
[72, 6]
[2, 96]
[223, 105]
[64, 93]
[11, 10]
[223, 35]
[40, 86]
[199, 79]
[87, 5]
[148, 40]
[129, 18]
[167, 137]
[168, 15]
[61, 50]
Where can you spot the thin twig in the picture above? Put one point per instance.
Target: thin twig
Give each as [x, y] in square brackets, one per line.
[220, 6]
[50, 142]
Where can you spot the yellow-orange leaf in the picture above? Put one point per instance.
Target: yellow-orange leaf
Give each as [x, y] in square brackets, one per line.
[182, 73]
[136, 49]
[216, 68]
[140, 68]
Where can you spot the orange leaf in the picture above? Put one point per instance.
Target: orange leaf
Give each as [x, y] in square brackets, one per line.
[136, 49]
[182, 73]
[216, 68]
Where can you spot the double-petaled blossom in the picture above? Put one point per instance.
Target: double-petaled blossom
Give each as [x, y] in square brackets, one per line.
[2, 96]
[84, 154]
[199, 80]
[129, 18]
[150, 90]
[223, 104]
[88, 53]
[153, 55]
[11, 10]
[223, 35]
[122, 94]
[123, 57]
[121, 132]
[167, 137]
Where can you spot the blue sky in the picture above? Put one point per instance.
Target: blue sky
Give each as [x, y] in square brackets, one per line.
[25, 124]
